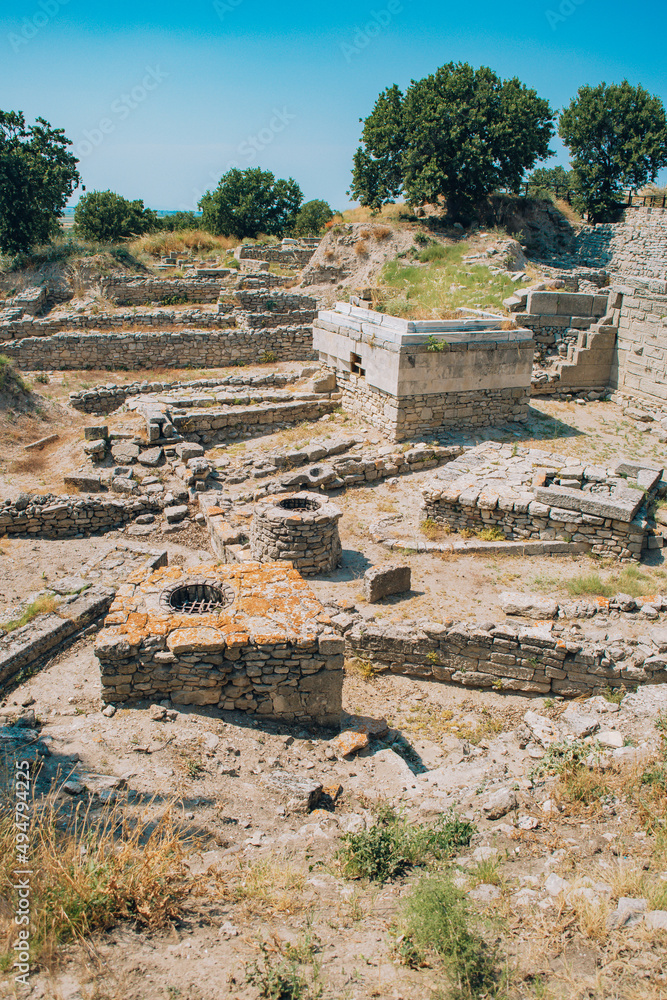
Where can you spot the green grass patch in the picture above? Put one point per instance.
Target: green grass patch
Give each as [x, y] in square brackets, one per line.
[392, 845]
[437, 928]
[41, 606]
[439, 284]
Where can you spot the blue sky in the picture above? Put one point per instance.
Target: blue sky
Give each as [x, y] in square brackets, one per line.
[161, 98]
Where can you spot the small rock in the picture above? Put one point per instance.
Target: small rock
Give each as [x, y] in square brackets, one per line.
[175, 514]
[485, 853]
[528, 606]
[73, 787]
[349, 742]
[158, 713]
[656, 920]
[528, 823]
[628, 912]
[109, 711]
[554, 885]
[500, 803]
[610, 738]
[485, 893]
[228, 930]
[383, 581]
[579, 724]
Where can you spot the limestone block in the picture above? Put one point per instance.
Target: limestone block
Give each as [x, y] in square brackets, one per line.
[383, 581]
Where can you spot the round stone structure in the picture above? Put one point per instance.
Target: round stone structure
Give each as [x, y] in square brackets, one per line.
[299, 527]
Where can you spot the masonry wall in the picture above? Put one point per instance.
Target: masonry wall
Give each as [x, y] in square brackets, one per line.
[195, 348]
[428, 413]
[212, 425]
[19, 328]
[637, 246]
[52, 516]
[288, 257]
[523, 519]
[640, 366]
[142, 291]
[506, 658]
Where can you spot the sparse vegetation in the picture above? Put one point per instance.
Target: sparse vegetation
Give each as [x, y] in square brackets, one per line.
[45, 604]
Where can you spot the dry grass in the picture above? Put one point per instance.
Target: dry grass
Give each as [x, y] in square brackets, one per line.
[181, 241]
[360, 668]
[434, 530]
[270, 886]
[382, 232]
[361, 248]
[89, 873]
[46, 604]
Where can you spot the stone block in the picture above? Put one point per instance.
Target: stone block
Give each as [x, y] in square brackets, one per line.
[383, 581]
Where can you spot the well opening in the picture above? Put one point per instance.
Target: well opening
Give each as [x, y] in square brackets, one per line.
[198, 599]
[299, 503]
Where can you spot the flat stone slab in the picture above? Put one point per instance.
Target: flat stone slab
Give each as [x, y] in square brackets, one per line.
[383, 581]
[622, 506]
[302, 793]
[151, 456]
[125, 453]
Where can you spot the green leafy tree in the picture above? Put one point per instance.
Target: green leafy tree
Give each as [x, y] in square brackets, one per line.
[248, 202]
[179, 220]
[454, 137]
[546, 181]
[312, 218]
[108, 217]
[617, 137]
[37, 176]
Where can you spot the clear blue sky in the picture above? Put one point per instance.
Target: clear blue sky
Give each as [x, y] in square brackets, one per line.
[160, 98]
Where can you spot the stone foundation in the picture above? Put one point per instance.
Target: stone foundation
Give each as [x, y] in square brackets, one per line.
[52, 516]
[269, 651]
[126, 291]
[196, 348]
[300, 527]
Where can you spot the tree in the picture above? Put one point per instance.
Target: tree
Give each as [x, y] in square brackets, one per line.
[248, 202]
[454, 136]
[37, 176]
[617, 136]
[546, 181]
[179, 220]
[108, 217]
[312, 218]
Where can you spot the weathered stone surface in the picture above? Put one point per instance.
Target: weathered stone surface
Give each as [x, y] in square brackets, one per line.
[528, 605]
[498, 804]
[302, 793]
[176, 513]
[622, 506]
[383, 581]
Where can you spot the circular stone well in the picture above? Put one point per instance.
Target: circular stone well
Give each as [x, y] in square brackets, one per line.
[299, 527]
[196, 597]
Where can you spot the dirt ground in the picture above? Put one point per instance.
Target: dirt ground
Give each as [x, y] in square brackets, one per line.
[262, 872]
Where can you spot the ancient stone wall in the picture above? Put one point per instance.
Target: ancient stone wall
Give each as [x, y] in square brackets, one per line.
[288, 256]
[182, 349]
[424, 414]
[126, 291]
[301, 528]
[637, 246]
[640, 367]
[504, 657]
[52, 516]
[21, 327]
[219, 425]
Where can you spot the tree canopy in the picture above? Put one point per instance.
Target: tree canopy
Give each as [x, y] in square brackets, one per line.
[107, 217]
[248, 202]
[454, 136]
[550, 180]
[37, 176]
[617, 136]
[312, 218]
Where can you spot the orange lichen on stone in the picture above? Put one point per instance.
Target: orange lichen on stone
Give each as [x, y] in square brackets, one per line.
[602, 603]
[199, 639]
[349, 742]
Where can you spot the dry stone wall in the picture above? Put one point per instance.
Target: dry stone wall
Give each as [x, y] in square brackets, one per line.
[636, 246]
[528, 659]
[52, 516]
[23, 326]
[143, 291]
[188, 348]
[301, 528]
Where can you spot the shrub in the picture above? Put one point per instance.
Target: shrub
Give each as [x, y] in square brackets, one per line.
[491, 535]
[105, 215]
[360, 248]
[10, 380]
[391, 846]
[434, 252]
[437, 926]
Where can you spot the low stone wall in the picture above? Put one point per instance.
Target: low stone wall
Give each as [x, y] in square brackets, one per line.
[506, 657]
[104, 399]
[612, 526]
[52, 516]
[22, 649]
[21, 327]
[195, 348]
[219, 425]
[261, 300]
[424, 414]
[127, 291]
[288, 256]
[555, 315]
[271, 651]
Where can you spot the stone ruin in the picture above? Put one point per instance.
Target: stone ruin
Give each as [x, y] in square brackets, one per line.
[300, 527]
[250, 638]
[418, 377]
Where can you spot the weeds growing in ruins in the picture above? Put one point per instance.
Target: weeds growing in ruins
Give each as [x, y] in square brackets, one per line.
[392, 845]
[281, 973]
[92, 871]
[42, 605]
[436, 927]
